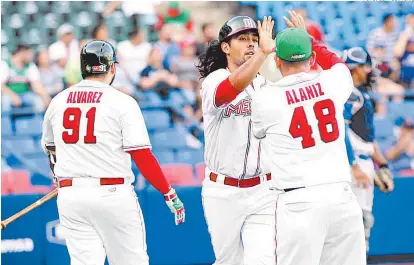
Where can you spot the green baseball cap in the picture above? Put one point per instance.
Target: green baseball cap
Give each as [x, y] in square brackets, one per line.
[293, 44]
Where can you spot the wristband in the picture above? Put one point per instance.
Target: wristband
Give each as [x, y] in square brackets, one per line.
[383, 166]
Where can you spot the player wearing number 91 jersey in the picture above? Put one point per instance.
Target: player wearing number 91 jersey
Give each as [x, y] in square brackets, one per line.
[95, 130]
[300, 119]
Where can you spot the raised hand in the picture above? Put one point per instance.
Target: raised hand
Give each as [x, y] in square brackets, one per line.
[266, 42]
[295, 21]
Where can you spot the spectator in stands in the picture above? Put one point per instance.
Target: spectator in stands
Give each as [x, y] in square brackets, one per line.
[387, 35]
[169, 48]
[20, 82]
[155, 77]
[100, 32]
[132, 9]
[404, 51]
[72, 71]
[177, 16]
[209, 34]
[123, 83]
[405, 143]
[184, 66]
[66, 47]
[52, 82]
[133, 54]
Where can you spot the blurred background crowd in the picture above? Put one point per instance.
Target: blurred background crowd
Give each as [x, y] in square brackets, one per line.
[157, 45]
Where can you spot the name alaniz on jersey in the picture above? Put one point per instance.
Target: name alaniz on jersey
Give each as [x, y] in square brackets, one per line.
[241, 108]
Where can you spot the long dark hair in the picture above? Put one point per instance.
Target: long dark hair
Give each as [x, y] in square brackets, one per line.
[212, 59]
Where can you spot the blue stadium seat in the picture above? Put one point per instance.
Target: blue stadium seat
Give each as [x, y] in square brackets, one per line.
[176, 97]
[6, 126]
[29, 126]
[164, 156]
[190, 156]
[22, 145]
[170, 138]
[156, 119]
[383, 128]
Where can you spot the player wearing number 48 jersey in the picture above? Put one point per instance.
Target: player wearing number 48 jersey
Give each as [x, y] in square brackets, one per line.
[94, 131]
[300, 119]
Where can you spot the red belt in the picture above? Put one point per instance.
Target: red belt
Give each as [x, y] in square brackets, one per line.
[241, 183]
[103, 181]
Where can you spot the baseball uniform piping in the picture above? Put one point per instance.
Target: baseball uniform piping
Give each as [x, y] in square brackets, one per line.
[276, 231]
[246, 156]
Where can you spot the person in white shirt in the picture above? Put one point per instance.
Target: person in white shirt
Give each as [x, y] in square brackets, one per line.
[63, 49]
[300, 121]
[133, 54]
[90, 133]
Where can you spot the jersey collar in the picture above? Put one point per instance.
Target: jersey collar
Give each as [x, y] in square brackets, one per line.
[296, 79]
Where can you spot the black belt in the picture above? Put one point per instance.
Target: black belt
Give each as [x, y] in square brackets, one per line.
[287, 190]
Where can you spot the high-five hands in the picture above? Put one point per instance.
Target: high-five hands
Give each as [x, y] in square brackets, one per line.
[295, 21]
[266, 43]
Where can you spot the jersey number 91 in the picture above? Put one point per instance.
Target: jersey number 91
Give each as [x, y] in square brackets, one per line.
[71, 122]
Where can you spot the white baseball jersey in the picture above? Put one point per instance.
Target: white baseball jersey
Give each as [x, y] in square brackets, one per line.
[92, 126]
[301, 120]
[230, 147]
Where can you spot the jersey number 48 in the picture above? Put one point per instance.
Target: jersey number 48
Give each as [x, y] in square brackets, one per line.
[299, 126]
[71, 121]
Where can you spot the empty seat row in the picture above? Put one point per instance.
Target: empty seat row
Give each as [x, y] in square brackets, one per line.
[18, 182]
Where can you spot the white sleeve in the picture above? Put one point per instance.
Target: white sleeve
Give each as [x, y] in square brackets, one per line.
[134, 131]
[47, 131]
[4, 72]
[257, 121]
[33, 73]
[209, 88]
[342, 84]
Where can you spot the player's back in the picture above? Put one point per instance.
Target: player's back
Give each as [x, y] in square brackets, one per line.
[302, 116]
[87, 122]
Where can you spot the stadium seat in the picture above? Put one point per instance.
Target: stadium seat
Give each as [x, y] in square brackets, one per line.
[6, 126]
[200, 172]
[29, 126]
[164, 156]
[170, 138]
[190, 156]
[19, 181]
[22, 145]
[156, 119]
[383, 128]
[179, 174]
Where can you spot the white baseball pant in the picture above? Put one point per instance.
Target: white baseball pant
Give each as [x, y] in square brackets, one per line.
[102, 221]
[365, 197]
[320, 225]
[241, 222]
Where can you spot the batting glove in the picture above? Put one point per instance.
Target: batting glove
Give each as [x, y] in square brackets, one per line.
[384, 179]
[175, 205]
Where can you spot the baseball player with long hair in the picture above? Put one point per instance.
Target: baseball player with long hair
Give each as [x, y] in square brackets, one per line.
[361, 146]
[95, 130]
[239, 205]
[300, 119]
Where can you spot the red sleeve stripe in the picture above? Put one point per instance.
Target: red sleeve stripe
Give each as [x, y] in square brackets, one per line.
[225, 93]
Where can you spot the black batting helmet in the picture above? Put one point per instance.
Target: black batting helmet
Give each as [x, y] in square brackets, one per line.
[236, 25]
[96, 58]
